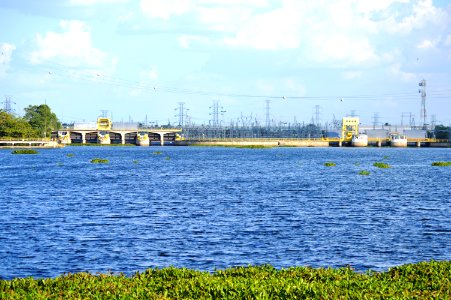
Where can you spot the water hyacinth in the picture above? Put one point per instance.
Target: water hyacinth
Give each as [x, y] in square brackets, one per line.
[441, 163]
[25, 151]
[381, 165]
[426, 280]
[99, 161]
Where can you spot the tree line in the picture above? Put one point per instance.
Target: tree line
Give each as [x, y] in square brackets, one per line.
[38, 122]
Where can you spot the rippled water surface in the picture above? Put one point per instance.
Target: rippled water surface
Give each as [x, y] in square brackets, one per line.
[212, 208]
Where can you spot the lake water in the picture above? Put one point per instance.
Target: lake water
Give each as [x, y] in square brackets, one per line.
[212, 208]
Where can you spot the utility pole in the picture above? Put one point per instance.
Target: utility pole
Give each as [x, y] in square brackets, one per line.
[422, 91]
[268, 121]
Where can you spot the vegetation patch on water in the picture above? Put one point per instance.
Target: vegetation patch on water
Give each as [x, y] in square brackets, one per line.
[99, 161]
[25, 151]
[426, 280]
[157, 152]
[330, 164]
[70, 155]
[441, 163]
[364, 172]
[381, 165]
[252, 146]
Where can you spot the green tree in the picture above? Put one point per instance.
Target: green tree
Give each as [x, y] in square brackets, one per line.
[42, 119]
[441, 132]
[14, 127]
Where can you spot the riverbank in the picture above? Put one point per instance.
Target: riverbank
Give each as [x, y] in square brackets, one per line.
[422, 280]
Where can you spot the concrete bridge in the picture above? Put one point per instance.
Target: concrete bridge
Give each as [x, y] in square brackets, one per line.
[29, 143]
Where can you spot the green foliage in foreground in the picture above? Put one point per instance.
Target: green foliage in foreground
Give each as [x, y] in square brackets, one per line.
[99, 161]
[330, 164]
[441, 163]
[426, 280]
[25, 151]
[381, 165]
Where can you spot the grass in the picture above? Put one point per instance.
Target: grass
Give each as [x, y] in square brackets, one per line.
[99, 161]
[364, 172]
[25, 151]
[330, 164]
[441, 163]
[425, 280]
[381, 165]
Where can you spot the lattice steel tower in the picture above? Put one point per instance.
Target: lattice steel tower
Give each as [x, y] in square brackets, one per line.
[422, 91]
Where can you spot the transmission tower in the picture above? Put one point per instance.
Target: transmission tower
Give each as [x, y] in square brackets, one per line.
[422, 91]
[7, 105]
[215, 111]
[375, 120]
[317, 113]
[181, 113]
[268, 121]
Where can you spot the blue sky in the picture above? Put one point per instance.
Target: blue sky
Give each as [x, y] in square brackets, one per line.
[141, 58]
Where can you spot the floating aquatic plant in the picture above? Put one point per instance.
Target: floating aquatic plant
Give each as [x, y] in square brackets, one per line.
[70, 155]
[157, 152]
[99, 161]
[425, 280]
[441, 163]
[330, 164]
[25, 151]
[364, 172]
[135, 161]
[381, 165]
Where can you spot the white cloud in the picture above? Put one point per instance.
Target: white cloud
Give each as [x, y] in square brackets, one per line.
[426, 44]
[72, 47]
[95, 2]
[164, 9]
[337, 32]
[349, 75]
[396, 71]
[5, 57]
[149, 75]
[448, 40]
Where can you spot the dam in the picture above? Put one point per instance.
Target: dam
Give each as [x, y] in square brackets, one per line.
[351, 133]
